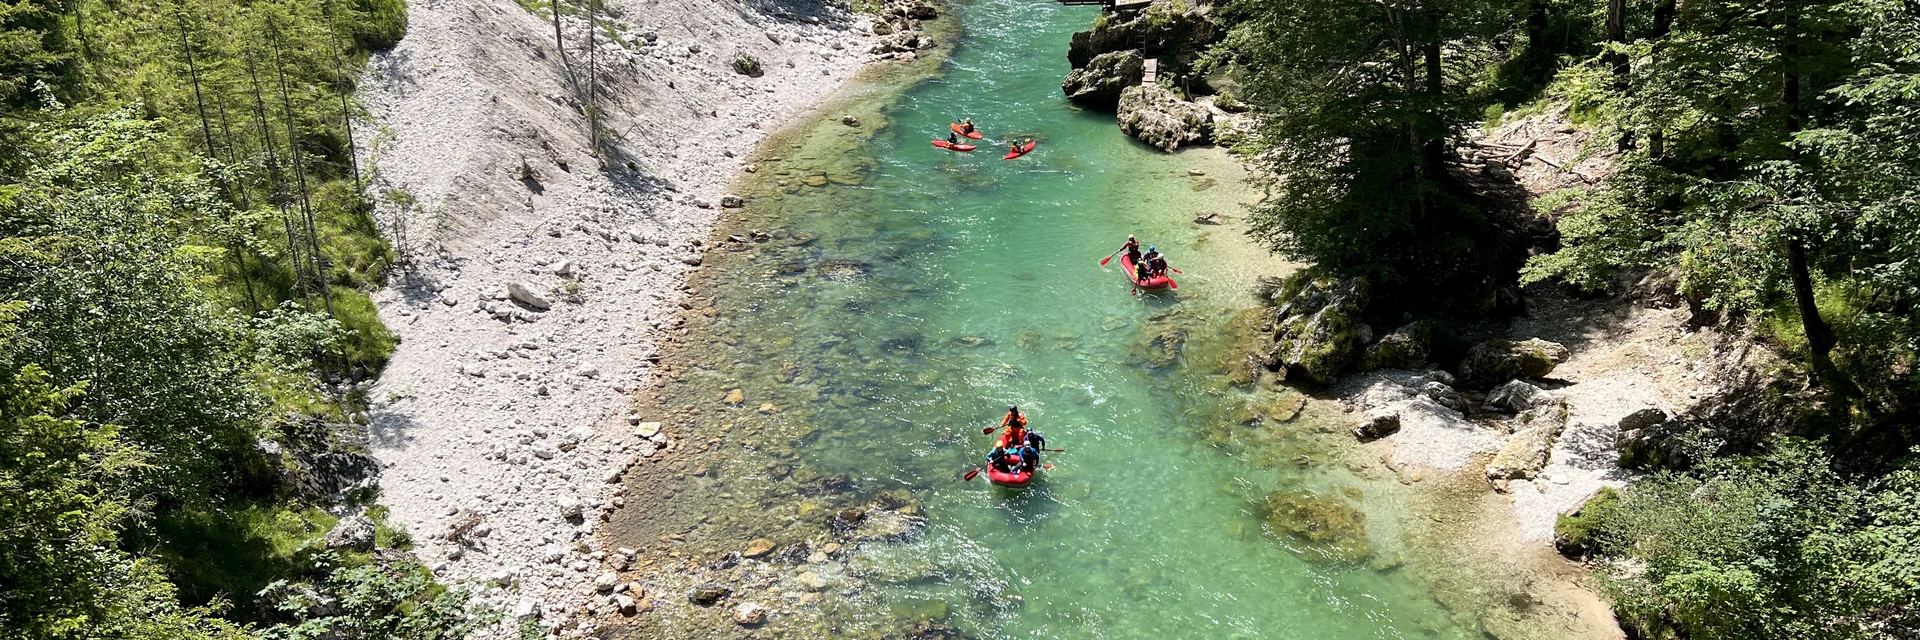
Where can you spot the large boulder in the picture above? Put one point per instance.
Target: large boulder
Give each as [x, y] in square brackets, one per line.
[1157, 117]
[1495, 361]
[1167, 26]
[1517, 396]
[1649, 439]
[1100, 82]
[352, 532]
[1315, 327]
[1527, 450]
[1406, 348]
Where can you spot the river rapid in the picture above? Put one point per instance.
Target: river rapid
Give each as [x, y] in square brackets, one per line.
[882, 301]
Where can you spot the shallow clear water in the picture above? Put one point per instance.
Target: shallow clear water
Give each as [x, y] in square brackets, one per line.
[912, 294]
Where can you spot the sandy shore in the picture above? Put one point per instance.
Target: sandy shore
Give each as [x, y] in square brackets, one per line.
[540, 283]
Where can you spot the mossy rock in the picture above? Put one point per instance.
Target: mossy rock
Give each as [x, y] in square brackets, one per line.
[1158, 345]
[1406, 348]
[1577, 535]
[1316, 327]
[1495, 361]
[1334, 532]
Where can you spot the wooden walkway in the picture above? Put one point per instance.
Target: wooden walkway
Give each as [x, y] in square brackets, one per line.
[1153, 71]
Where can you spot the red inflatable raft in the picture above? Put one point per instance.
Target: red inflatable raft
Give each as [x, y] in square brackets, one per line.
[1009, 479]
[1151, 283]
[953, 147]
[1018, 150]
[975, 134]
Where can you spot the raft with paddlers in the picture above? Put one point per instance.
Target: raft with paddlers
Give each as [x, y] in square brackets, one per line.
[1016, 479]
[1152, 282]
[1018, 149]
[963, 130]
[953, 147]
[1015, 455]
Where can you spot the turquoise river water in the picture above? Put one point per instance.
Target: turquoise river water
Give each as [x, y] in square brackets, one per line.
[903, 296]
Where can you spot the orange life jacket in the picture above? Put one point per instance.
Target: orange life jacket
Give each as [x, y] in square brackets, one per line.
[1013, 437]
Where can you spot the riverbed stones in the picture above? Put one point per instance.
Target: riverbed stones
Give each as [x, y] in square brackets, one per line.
[758, 548]
[524, 294]
[1496, 361]
[1156, 116]
[1100, 82]
[813, 581]
[735, 397]
[749, 614]
[1333, 532]
[707, 594]
[606, 581]
[1527, 450]
[1315, 324]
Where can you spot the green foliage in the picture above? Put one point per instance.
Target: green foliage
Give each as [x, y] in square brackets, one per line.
[62, 494]
[231, 551]
[375, 602]
[291, 339]
[1360, 101]
[1773, 546]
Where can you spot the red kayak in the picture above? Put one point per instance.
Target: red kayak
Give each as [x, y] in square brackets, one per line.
[975, 134]
[1018, 150]
[953, 147]
[1152, 282]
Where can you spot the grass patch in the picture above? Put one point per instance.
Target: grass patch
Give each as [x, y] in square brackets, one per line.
[231, 553]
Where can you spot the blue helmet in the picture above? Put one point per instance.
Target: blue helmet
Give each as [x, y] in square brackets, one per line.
[1149, 247]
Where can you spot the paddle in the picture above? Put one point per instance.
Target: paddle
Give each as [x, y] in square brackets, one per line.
[1176, 271]
[970, 475]
[1103, 261]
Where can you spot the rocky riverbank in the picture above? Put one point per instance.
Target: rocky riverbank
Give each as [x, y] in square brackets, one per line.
[1110, 72]
[541, 277]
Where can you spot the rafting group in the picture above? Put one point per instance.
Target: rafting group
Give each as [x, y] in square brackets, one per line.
[1015, 454]
[965, 129]
[1148, 270]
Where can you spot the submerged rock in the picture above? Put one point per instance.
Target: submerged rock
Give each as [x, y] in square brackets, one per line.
[1496, 361]
[708, 594]
[1157, 117]
[1158, 345]
[1333, 531]
[1100, 82]
[1315, 329]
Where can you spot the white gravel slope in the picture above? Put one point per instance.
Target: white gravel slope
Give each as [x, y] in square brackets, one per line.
[496, 409]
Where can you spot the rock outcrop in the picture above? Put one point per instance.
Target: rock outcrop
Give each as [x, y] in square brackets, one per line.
[1315, 327]
[1407, 347]
[1100, 82]
[1527, 450]
[1158, 117]
[1165, 27]
[1496, 361]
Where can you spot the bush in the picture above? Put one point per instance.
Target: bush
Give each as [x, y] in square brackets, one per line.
[381, 24]
[747, 65]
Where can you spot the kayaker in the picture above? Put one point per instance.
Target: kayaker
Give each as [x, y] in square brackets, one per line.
[953, 139]
[966, 126]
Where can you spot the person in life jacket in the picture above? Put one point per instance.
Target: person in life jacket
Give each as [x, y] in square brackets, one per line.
[1157, 265]
[1132, 247]
[1005, 460]
[952, 139]
[967, 125]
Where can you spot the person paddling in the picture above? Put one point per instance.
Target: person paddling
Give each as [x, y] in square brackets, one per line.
[1132, 247]
[1157, 265]
[966, 126]
[952, 139]
[1016, 425]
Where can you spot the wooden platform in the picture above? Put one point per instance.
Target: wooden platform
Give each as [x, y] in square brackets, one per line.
[1153, 71]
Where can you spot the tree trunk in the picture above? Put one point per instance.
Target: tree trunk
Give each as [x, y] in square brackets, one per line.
[193, 75]
[315, 255]
[1434, 137]
[275, 192]
[559, 42]
[1663, 13]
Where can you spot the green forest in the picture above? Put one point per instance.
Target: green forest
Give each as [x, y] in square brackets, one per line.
[184, 282]
[1767, 162]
